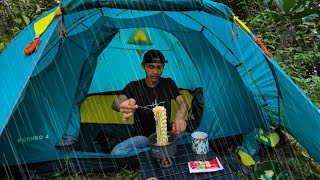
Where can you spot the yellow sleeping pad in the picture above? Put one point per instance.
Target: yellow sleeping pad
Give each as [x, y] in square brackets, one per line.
[174, 105]
[97, 109]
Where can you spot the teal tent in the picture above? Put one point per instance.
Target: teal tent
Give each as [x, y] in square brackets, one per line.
[43, 93]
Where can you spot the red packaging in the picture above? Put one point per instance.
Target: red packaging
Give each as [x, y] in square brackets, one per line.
[205, 166]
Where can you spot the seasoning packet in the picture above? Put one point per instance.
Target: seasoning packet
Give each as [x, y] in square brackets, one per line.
[205, 166]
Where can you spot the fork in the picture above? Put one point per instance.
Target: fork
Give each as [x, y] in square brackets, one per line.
[151, 106]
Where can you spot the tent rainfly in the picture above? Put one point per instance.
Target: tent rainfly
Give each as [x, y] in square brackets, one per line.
[84, 52]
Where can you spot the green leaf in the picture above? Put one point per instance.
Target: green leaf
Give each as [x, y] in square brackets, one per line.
[26, 19]
[312, 85]
[315, 77]
[307, 80]
[18, 20]
[289, 71]
[15, 30]
[254, 20]
[310, 24]
[272, 47]
[288, 6]
[39, 9]
[29, 11]
[308, 13]
[1, 45]
[16, 10]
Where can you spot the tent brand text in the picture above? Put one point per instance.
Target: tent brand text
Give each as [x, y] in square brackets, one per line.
[32, 138]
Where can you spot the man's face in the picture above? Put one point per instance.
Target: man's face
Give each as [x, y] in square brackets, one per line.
[153, 71]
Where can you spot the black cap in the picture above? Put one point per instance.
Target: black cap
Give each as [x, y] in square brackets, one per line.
[154, 56]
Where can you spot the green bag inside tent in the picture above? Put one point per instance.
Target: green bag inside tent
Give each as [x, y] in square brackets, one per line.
[270, 139]
[249, 151]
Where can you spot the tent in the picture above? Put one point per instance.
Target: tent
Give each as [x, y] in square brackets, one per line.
[72, 79]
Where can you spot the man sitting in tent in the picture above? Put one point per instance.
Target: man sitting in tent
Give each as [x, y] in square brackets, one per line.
[152, 90]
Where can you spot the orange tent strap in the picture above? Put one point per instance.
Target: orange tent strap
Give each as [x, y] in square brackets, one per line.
[238, 30]
[232, 34]
[257, 40]
[33, 46]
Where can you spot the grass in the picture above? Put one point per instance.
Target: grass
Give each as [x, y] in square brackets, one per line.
[123, 174]
[290, 161]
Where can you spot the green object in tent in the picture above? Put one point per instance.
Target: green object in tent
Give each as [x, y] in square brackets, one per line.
[140, 37]
[269, 139]
[246, 158]
[249, 151]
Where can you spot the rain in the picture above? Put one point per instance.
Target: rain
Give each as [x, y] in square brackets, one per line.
[159, 89]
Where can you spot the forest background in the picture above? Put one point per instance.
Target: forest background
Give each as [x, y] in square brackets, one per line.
[288, 28]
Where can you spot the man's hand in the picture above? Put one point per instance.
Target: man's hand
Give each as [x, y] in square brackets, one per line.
[179, 123]
[127, 108]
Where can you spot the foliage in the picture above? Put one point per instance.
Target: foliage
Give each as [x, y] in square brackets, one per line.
[16, 14]
[290, 30]
[288, 160]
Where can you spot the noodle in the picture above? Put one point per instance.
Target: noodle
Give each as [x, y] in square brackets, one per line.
[160, 115]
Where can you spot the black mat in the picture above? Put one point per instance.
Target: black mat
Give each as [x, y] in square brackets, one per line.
[149, 166]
